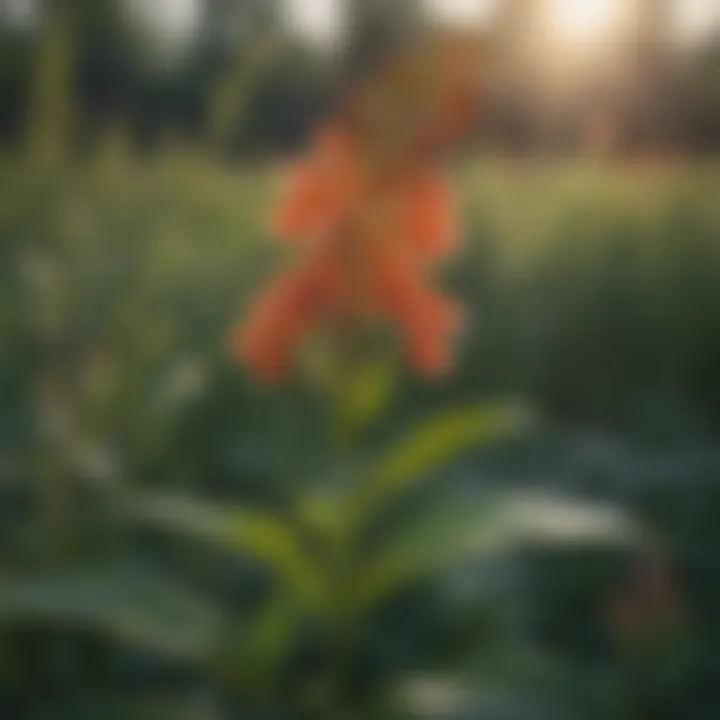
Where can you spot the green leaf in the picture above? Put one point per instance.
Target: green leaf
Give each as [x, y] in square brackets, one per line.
[473, 528]
[432, 446]
[255, 656]
[235, 529]
[233, 91]
[133, 606]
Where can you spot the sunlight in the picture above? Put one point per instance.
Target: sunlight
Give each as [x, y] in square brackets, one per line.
[695, 20]
[462, 12]
[567, 22]
[319, 21]
[174, 21]
[582, 20]
[182, 17]
[21, 14]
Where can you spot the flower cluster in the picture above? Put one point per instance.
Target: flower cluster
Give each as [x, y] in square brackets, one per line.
[370, 213]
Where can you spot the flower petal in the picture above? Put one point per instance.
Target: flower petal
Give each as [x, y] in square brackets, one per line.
[427, 222]
[283, 314]
[427, 318]
[319, 192]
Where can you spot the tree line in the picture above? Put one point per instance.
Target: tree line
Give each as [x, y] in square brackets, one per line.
[246, 85]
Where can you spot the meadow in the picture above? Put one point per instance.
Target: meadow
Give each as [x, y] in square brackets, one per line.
[592, 294]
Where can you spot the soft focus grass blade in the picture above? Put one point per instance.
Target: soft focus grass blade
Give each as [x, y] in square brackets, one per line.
[238, 530]
[434, 444]
[475, 528]
[136, 607]
[265, 643]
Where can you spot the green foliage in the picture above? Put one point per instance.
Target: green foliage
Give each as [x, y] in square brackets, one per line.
[233, 90]
[240, 531]
[597, 305]
[362, 397]
[52, 105]
[130, 605]
[430, 447]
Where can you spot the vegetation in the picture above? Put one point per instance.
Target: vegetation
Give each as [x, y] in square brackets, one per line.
[534, 536]
[179, 542]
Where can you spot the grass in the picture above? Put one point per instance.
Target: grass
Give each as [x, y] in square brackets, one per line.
[593, 291]
[592, 288]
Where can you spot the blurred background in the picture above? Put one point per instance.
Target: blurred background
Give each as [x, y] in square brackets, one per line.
[165, 522]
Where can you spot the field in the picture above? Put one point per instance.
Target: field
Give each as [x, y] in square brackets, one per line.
[593, 300]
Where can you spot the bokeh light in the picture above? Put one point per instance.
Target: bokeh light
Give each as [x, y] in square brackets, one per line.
[695, 20]
[320, 22]
[583, 21]
[458, 12]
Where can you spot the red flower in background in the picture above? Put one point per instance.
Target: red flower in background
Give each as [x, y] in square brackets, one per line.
[370, 212]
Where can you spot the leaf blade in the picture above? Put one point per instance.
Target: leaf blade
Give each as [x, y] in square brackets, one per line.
[432, 445]
[236, 529]
[134, 606]
[451, 536]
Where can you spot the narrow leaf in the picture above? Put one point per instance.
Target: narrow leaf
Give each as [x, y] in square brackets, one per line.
[432, 446]
[488, 527]
[234, 529]
[136, 607]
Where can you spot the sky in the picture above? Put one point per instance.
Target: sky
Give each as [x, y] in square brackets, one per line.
[324, 21]
[692, 20]
[462, 11]
[174, 21]
[21, 14]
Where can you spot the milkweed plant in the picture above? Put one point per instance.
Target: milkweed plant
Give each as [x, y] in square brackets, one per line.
[370, 216]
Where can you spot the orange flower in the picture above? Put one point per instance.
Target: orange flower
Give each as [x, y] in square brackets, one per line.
[372, 215]
[427, 319]
[320, 191]
[375, 270]
[283, 314]
[425, 224]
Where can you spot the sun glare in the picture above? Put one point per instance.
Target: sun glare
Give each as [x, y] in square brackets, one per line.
[174, 21]
[582, 20]
[462, 12]
[695, 20]
[565, 22]
[319, 21]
